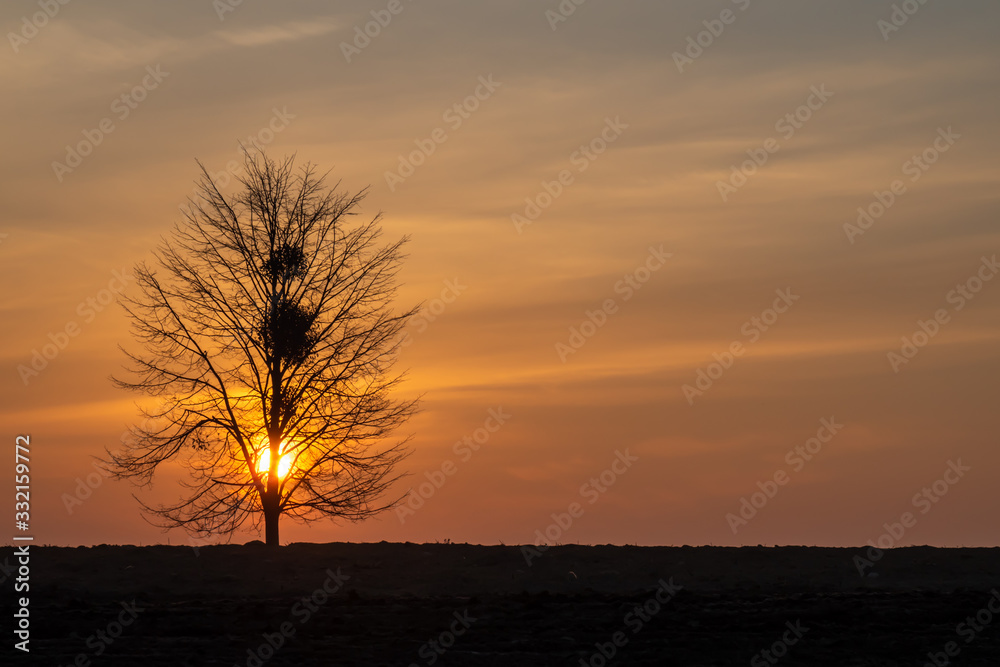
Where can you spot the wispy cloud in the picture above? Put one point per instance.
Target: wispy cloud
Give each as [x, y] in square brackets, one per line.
[285, 32]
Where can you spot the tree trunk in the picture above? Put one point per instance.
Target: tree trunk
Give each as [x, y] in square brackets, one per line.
[271, 517]
[271, 500]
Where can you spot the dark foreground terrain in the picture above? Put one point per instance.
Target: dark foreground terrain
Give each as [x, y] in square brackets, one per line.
[453, 604]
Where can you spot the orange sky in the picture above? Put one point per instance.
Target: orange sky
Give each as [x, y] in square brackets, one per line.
[678, 270]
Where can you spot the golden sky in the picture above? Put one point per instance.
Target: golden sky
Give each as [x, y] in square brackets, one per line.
[611, 205]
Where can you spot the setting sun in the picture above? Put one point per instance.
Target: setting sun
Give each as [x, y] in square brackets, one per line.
[264, 462]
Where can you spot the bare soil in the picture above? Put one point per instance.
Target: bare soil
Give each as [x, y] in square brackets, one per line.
[456, 604]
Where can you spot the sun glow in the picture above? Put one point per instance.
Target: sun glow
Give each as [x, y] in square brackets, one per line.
[264, 462]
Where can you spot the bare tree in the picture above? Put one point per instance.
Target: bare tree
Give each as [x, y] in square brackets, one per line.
[268, 339]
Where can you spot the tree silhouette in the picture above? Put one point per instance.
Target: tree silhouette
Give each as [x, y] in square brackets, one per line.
[268, 339]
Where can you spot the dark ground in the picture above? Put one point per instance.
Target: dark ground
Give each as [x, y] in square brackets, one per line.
[214, 606]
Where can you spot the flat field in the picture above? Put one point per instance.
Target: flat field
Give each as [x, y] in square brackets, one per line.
[457, 604]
